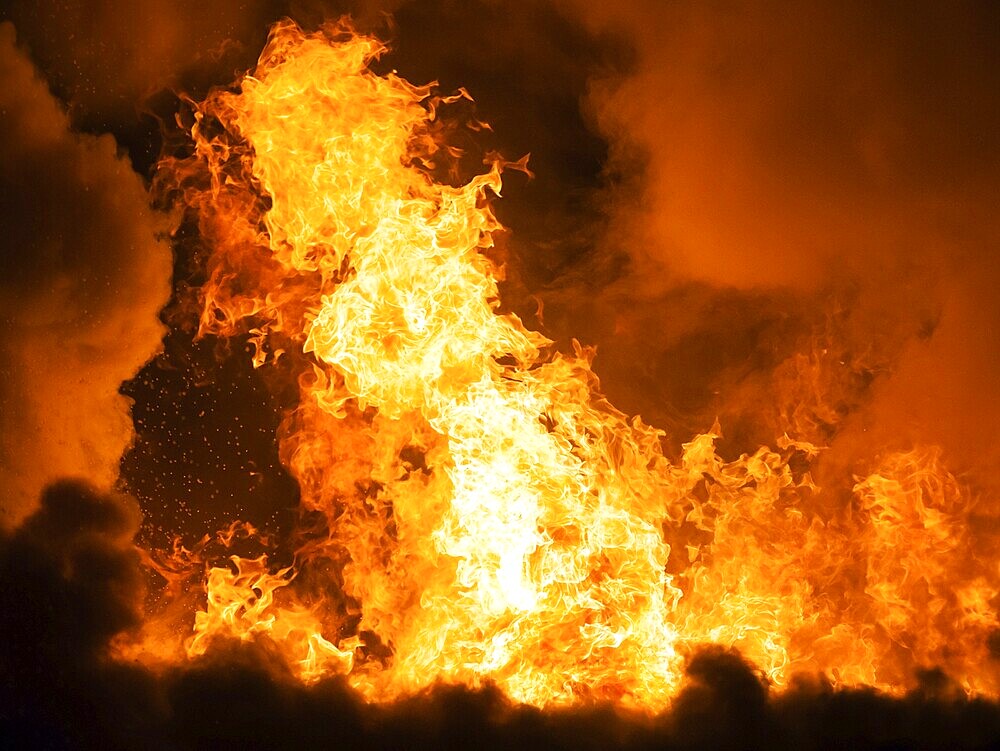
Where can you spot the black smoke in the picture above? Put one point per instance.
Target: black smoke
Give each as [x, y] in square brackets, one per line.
[72, 580]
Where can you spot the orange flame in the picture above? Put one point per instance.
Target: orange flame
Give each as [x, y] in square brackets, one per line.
[477, 512]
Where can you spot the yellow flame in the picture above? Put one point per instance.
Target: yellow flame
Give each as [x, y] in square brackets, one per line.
[484, 514]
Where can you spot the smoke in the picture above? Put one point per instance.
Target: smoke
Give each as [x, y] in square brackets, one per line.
[73, 580]
[785, 148]
[737, 178]
[809, 173]
[105, 58]
[82, 278]
[743, 187]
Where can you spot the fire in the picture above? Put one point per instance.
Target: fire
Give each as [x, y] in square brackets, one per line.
[472, 509]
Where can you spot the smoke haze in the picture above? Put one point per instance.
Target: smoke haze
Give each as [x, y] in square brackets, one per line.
[802, 165]
[82, 279]
[781, 218]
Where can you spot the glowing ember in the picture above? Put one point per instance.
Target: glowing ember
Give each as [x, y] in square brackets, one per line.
[473, 510]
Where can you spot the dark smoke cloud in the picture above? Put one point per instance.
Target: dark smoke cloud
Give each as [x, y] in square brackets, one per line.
[82, 276]
[72, 580]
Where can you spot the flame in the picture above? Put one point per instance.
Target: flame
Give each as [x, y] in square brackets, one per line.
[472, 509]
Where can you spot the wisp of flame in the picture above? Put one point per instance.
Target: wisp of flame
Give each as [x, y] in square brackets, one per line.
[473, 510]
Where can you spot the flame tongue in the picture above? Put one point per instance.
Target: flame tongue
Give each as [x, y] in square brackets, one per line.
[487, 515]
[519, 550]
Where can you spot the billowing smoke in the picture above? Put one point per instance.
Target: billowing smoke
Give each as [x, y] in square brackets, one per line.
[77, 581]
[780, 218]
[840, 160]
[83, 276]
[786, 148]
